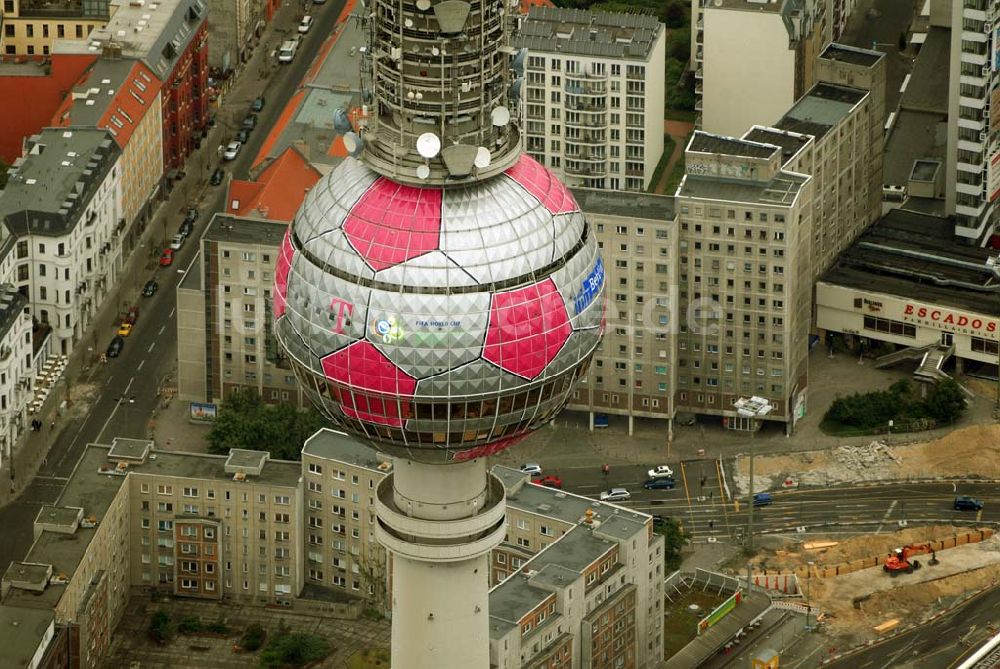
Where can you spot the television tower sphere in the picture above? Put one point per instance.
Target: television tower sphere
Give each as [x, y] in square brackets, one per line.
[440, 323]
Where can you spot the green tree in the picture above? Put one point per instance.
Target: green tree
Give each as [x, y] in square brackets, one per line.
[161, 628]
[945, 402]
[244, 421]
[294, 650]
[4, 169]
[675, 16]
[673, 541]
[253, 637]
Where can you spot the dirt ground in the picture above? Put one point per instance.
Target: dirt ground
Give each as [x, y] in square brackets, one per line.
[908, 597]
[972, 451]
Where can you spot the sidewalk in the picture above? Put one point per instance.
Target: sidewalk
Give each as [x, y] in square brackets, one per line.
[31, 449]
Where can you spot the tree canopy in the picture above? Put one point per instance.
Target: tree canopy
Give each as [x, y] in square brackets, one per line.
[245, 421]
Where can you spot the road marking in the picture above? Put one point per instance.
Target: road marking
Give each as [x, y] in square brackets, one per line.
[886, 516]
[171, 314]
[151, 347]
[113, 411]
[141, 363]
[162, 328]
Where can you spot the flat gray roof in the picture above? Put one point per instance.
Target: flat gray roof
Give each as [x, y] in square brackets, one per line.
[706, 142]
[333, 445]
[914, 136]
[21, 630]
[586, 33]
[55, 181]
[927, 89]
[107, 77]
[789, 142]
[65, 516]
[780, 191]
[914, 255]
[576, 550]
[823, 107]
[238, 230]
[852, 54]
[635, 205]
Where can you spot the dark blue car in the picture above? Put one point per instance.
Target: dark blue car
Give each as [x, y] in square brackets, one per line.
[660, 484]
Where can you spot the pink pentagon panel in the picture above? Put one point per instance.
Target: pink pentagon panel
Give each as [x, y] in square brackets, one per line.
[393, 223]
[378, 391]
[527, 328]
[281, 269]
[541, 183]
[488, 449]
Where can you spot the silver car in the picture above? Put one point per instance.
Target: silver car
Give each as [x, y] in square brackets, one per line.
[615, 495]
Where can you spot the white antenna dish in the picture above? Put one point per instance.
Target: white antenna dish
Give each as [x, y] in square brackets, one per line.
[500, 116]
[408, 23]
[423, 5]
[353, 143]
[428, 145]
[435, 51]
[483, 157]
[423, 171]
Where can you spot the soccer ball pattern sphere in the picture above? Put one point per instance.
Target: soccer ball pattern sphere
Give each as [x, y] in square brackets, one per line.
[439, 324]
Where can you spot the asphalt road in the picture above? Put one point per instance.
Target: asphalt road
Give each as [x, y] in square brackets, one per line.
[129, 384]
[941, 644]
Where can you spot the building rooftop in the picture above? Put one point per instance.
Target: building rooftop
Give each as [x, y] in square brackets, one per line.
[12, 304]
[791, 143]
[333, 445]
[914, 255]
[48, 190]
[925, 170]
[224, 228]
[636, 205]
[64, 517]
[115, 95]
[21, 630]
[852, 54]
[822, 108]
[586, 33]
[927, 86]
[914, 136]
[780, 191]
[706, 142]
[134, 450]
[156, 33]
[278, 191]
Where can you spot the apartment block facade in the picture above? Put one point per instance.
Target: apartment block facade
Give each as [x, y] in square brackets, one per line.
[15, 366]
[63, 203]
[593, 95]
[224, 317]
[744, 279]
[30, 27]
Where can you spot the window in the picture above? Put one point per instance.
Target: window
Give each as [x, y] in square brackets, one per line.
[315, 469]
[190, 492]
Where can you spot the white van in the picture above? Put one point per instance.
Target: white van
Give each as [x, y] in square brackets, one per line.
[287, 51]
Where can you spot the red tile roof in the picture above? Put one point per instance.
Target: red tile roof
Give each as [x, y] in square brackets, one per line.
[278, 193]
[528, 4]
[30, 101]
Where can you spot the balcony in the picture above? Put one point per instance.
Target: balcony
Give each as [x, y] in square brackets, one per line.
[590, 170]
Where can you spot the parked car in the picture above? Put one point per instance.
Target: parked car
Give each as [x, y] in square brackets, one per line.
[258, 104]
[150, 288]
[232, 150]
[125, 329]
[615, 495]
[532, 468]
[249, 121]
[659, 484]
[763, 499]
[116, 346]
[217, 176]
[660, 471]
[659, 521]
[286, 53]
[177, 242]
[966, 503]
[132, 315]
[305, 24]
[167, 258]
[549, 481]
[185, 229]
[243, 136]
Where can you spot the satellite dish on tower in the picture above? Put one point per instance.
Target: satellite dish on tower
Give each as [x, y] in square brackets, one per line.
[354, 144]
[423, 171]
[341, 122]
[428, 145]
[408, 23]
[423, 5]
[483, 157]
[500, 116]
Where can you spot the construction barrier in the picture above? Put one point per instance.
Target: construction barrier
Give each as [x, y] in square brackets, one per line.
[786, 584]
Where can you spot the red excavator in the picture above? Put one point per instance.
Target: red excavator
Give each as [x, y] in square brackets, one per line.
[900, 560]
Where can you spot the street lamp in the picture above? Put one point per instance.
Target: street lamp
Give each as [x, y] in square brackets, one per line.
[809, 591]
[752, 408]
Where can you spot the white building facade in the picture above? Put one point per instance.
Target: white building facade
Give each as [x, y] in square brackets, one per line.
[593, 96]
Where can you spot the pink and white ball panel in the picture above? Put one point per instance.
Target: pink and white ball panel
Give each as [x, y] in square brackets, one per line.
[439, 323]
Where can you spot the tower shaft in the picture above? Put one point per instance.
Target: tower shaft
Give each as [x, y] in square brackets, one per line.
[440, 523]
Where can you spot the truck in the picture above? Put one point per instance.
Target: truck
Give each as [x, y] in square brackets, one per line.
[287, 51]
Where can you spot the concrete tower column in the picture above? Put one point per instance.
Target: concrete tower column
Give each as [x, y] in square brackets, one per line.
[440, 523]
